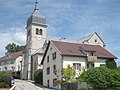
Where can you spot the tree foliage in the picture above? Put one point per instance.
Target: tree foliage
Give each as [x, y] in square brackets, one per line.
[69, 74]
[102, 78]
[118, 68]
[38, 76]
[12, 47]
[111, 64]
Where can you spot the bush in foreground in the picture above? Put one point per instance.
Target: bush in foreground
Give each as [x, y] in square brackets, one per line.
[38, 77]
[5, 79]
[102, 78]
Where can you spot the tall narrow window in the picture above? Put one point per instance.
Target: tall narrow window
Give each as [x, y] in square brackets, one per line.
[54, 69]
[54, 55]
[47, 58]
[48, 70]
[37, 31]
[77, 66]
[41, 32]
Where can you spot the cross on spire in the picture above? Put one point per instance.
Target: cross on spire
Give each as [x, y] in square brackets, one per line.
[36, 5]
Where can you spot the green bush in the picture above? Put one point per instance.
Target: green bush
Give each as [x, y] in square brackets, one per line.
[4, 85]
[4, 75]
[111, 64]
[101, 77]
[38, 77]
[5, 79]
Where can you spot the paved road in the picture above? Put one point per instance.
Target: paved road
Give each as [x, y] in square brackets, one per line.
[25, 85]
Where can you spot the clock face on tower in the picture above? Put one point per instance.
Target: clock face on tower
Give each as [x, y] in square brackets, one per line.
[38, 37]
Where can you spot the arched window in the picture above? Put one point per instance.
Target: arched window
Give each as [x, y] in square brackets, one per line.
[38, 31]
[41, 32]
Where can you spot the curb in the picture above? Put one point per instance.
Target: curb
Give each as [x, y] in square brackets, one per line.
[13, 87]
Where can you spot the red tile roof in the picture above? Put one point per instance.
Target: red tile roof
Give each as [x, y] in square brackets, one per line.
[11, 56]
[74, 49]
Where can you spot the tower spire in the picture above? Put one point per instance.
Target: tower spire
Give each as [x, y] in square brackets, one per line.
[36, 5]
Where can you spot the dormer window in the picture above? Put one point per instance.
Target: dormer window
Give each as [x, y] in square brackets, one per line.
[89, 53]
[39, 31]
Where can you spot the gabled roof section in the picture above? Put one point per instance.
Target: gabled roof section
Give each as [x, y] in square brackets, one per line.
[11, 56]
[45, 52]
[88, 37]
[74, 49]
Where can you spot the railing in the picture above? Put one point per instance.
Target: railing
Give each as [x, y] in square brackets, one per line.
[91, 58]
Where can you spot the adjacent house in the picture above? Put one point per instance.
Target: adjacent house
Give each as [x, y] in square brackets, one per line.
[11, 63]
[93, 39]
[59, 54]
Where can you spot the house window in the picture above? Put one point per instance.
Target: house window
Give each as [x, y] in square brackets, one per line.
[5, 68]
[89, 54]
[54, 55]
[51, 48]
[77, 66]
[48, 83]
[102, 65]
[90, 65]
[12, 61]
[95, 40]
[48, 70]
[39, 31]
[55, 82]
[47, 58]
[54, 69]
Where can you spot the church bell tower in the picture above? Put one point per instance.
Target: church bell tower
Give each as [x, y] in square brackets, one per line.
[36, 35]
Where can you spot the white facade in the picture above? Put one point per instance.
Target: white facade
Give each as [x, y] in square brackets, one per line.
[13, 65]
[62, 61]
[50, 64]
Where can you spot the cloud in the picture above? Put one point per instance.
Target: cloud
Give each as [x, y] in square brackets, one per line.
[14, 35]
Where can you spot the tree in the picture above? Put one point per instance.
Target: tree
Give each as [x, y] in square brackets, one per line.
[12, 47]
[118, 68]
[111, 64]
[69, 74]
[38, 76]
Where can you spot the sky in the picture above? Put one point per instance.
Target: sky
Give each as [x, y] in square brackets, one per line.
[72, 19]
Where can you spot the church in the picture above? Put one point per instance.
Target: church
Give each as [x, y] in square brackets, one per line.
[38, 52]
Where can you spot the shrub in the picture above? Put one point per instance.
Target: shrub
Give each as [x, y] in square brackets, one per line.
[5, 79]
[69, 74]
[111, 64]
[4, 85]
[102, 77]
[38, 77]
[4, 75]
